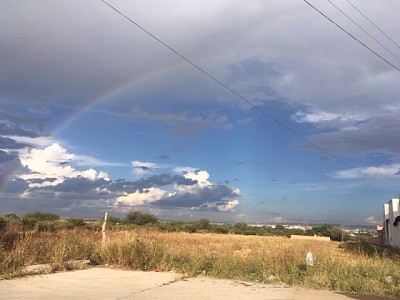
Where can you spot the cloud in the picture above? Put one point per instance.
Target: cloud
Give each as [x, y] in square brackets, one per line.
[229, 206]
[374, 135]
[180, 123]
[91, 64]
[371, 220]
[14, 186]
[192, 190]
[80, 185]
[53, 162]
[256, 79]
[8, 143]
[382, 171]
[141, 168]
[346, 99]
[324, 119]
[277, 219]
[145, 196]
[8, 129]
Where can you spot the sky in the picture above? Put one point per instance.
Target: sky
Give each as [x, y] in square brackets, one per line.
[298, 124]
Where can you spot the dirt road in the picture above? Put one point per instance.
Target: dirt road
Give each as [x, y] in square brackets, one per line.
[106, 283]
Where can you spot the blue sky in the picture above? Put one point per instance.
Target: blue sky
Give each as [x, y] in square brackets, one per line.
[96, 115]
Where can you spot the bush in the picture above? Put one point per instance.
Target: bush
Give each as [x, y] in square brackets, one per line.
[31, 219]
[219, 229]
[113, 220]
[323, 230]
[3, 223]
[139, 218]
[203, 224]
[190, 227]
[45, 226]
[75, 222]
[240, 228]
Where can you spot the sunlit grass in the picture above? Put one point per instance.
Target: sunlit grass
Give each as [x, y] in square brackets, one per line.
[262, 259]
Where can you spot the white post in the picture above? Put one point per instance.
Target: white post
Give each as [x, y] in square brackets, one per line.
[103, 229]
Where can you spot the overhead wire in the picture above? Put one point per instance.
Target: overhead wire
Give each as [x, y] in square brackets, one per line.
[365, 31]
[263, 112]
[376, 26]
[352, 36]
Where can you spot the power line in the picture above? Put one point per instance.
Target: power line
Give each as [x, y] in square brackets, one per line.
[366, 32]
[352, 36]
[376, 26]
[237, 94]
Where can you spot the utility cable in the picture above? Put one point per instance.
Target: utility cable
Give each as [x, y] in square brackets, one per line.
[366, 32]
[352, 36]
[235, 93]
[376, 26]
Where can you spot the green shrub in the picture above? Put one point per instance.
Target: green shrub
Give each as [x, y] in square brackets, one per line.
[139, 218]
[75, 222]
[30, 219]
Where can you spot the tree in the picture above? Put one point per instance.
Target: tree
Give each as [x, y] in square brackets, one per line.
[204, 224]
[75, 222]
[240, 228]
[139, 218]
[31, 219]
[323, 230]
[280, 227]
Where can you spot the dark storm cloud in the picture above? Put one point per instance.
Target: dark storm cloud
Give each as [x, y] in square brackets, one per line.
[80, 191]
[255, 78]
[164, 179]
[216, 207]
[9, 164]
[78, 185]
[41, 180]
[90, 49]
[46, 200]
[22, 125]
[15, 186]
[8, 143]
[379, 134]
[16, 130]
[202, 196]
[143, 168]
[152, 181]
[8, 156]
[181, 180]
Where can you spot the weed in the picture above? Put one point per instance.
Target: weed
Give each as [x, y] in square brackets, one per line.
[350, 267]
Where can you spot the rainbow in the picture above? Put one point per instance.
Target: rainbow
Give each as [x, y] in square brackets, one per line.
[90, 105]
[135, 81]
[120, 89]
[114, 93]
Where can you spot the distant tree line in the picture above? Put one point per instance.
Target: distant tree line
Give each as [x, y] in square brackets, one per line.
[45, 221]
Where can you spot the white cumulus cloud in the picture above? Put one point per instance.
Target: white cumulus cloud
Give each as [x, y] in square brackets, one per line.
[229, 206]
[53, 162]
[141, 197]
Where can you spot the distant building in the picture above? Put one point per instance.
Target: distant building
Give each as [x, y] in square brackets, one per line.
[391, 224]
[380, 238]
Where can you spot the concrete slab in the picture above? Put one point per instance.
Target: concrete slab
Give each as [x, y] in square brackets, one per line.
[94, 283]
[107, 283]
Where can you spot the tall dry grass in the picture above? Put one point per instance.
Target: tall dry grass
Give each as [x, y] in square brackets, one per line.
[262, 259]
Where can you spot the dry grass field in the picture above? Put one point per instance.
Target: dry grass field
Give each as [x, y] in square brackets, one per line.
[254, 258]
